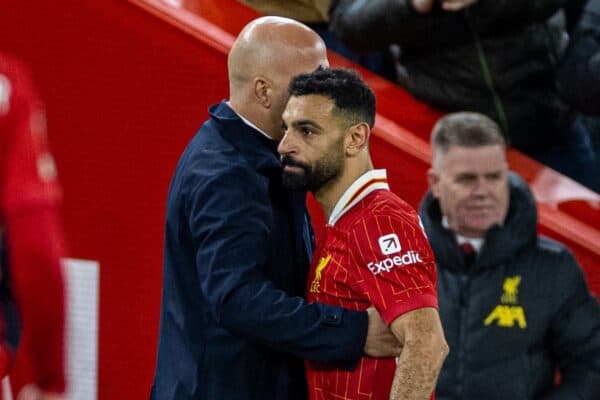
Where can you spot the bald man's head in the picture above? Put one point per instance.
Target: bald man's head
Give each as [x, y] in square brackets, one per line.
[268, 52]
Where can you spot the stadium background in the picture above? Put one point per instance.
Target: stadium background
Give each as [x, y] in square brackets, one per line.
[127, 84]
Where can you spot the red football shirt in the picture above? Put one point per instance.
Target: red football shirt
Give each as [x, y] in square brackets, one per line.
[27, 171]
[29, 200]
[374, 252]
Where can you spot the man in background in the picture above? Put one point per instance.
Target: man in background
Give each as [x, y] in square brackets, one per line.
[30, 234]
[514, 305]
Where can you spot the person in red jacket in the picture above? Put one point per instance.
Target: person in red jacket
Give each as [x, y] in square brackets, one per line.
[30, 232]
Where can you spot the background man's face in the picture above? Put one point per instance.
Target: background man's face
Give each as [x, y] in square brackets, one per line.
[471, 184]
[312, 148]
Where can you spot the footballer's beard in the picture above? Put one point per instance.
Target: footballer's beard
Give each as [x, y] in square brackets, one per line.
[311, 178]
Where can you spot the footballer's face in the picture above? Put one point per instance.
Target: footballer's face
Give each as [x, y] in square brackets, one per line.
[312, 148]
[471, 185]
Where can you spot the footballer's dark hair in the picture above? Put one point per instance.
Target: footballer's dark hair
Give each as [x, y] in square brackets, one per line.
[352, 97]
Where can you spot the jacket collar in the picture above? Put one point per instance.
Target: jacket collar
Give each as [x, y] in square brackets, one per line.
[259, 150]
[501, 243]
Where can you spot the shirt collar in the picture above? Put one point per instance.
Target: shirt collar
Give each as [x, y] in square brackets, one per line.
[477, 243]
[370, 181]
[250, 124]
[260, 151]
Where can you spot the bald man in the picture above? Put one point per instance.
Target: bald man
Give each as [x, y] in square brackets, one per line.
[234, 325]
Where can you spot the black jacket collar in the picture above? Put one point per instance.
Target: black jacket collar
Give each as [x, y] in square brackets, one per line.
[259, 150]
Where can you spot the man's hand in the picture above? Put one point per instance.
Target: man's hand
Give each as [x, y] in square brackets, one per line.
[425, 6]
[456, 5]
[32, 392]
[381, 342]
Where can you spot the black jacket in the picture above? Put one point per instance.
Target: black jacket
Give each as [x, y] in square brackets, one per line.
[579, 72]
[234, 325]
[521, 312]
[497, 57]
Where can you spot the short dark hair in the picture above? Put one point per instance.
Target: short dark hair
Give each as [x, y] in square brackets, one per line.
[352, 97]
[466, 129]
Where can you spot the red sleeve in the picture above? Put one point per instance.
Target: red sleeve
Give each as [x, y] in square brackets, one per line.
[395, 264]
[35, 247]
[29, 197]
[27, 169]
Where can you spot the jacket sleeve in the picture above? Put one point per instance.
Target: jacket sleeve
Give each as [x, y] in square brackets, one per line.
[370, 24]
[366, 25]
[230, 220]
[576, 336]
[579, 71]
[492, 16]
[35, 243]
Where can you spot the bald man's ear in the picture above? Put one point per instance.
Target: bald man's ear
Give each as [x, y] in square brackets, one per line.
[262, 91]
[433, 180]
[357, 138]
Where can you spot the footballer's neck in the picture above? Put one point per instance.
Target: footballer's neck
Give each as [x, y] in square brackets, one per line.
[330, 194]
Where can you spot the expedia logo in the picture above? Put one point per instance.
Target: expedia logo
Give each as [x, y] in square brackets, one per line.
[387, 264]
[389, 244]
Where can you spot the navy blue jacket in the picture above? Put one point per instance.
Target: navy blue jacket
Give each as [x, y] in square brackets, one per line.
[234, 324]
[520, 313]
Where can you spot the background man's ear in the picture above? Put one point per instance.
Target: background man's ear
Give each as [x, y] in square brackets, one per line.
[433, 179]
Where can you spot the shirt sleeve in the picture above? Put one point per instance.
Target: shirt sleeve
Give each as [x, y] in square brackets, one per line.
[29, 199]
[35, 243]
[28, 172]
[394, 263]
[575, 333]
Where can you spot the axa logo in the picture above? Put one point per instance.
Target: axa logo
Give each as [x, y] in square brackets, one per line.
[508, 313]
[316, 283]
[389, 244]
[387, 264]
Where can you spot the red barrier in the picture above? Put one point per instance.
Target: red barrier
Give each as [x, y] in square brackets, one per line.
[127, 84]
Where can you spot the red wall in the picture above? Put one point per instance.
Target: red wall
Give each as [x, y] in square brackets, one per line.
[125, 91]
[124, 94]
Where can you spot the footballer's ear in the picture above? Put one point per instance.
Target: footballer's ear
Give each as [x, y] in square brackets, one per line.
[357, 138]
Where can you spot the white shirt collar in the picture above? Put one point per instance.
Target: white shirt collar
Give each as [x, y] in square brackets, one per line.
[250, 124]
[370, 181]
[477, 243]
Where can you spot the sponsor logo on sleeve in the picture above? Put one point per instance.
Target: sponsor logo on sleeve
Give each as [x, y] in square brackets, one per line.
[387, 264]
[390, 244]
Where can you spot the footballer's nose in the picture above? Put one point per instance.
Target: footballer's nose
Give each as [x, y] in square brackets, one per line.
[286, 145]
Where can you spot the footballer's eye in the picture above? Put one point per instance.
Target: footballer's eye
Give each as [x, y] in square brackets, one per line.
[306, 131]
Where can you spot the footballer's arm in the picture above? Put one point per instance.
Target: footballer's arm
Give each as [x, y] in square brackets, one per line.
[424, 351]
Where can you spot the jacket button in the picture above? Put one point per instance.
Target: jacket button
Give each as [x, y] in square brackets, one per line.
[331, 319]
